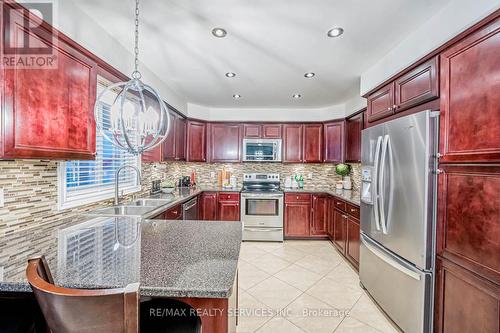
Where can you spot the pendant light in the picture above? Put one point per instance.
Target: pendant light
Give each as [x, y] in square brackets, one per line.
[138, 119]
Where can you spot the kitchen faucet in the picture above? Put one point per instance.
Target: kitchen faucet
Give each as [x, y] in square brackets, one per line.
[117, 180]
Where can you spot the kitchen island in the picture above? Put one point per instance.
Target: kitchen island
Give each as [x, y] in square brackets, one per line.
[191, 261]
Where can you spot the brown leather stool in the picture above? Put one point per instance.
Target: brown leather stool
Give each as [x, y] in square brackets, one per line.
[80, 310]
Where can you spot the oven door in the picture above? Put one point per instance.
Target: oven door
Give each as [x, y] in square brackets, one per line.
[262, 210]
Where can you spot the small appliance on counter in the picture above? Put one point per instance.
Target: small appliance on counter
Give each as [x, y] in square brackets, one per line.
[155, 187]
[184, 181]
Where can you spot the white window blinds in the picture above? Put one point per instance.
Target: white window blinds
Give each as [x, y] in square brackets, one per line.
[83, 182]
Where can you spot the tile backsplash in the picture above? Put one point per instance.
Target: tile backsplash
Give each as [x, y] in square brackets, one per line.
[30, 186]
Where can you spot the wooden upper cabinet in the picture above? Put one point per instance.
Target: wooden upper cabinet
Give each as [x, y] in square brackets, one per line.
[334, 141]
[168, 146]
[468, 226]
[381, 103]
[470, 98]
[319, 217]
[153, 155]
[47, 113]
[196, 141]
[180, 139]
[225, 142]
[271, 131]
[293, 143]
[417, 86]
[252, 131]
[354, 125]
[313, 143]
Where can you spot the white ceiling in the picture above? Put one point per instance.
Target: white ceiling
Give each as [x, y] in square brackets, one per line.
[270, 45]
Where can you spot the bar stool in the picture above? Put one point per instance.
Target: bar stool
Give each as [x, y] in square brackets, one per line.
[80, 310]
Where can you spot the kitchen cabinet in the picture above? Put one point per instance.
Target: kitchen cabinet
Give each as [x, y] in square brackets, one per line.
[271, 131]
[340, 230]
[380, 103]
[208, 206]
[196, 146]
[313, 143]
[352, 240]
[225, 140]
[174, 213]
[417, 86]
[297, 214]
[153, 155]
[252, 131]
[228, 206]
[47, 113]
[470, 98]
[353, 127]
[330, 216]
[293, 141]
[180, 139]
[334, 142]
[465, 302]
[168, 145]
[414, 87]
[319, 217]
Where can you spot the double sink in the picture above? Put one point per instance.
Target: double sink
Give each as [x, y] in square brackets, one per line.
[144, 208]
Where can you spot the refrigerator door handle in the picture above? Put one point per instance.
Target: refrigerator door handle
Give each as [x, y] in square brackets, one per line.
[381, 183]
[389, 260]
[375, 182]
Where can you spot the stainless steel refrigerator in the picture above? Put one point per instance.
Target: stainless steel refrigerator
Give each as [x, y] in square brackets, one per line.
[398, 209]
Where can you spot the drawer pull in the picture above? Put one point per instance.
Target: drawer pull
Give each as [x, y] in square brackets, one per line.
[353, 210]
[297, 198]
[339, 203]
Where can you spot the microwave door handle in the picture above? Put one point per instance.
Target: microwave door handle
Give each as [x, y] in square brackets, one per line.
[375, 183]
[381, 184]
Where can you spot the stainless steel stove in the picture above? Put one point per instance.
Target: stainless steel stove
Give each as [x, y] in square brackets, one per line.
[262, 207]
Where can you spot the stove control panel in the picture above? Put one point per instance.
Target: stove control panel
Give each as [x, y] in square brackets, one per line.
[261, 177]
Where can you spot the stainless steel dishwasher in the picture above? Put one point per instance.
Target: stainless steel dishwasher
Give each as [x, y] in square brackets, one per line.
[190, 210]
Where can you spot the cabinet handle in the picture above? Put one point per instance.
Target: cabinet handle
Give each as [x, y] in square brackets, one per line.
[339, 203]
[353, 210]
[389, 108]
[395, 106]
[297, 198]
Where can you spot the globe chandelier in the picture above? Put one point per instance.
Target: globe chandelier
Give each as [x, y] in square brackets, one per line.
[137, 119]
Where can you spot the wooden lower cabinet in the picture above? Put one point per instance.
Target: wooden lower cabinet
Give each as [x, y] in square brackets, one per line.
[330, 218]
[340, 230]
[228, 211]
[319, 215]
[208, 206]
[297, 219]
[353, 241]
[465, 302]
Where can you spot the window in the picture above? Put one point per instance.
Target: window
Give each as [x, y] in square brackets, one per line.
[84, 182]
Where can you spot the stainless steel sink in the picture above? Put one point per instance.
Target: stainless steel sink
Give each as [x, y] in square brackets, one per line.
[122, 211]
[149, 202]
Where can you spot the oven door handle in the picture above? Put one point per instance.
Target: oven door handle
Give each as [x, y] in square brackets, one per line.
[262, 196]
[261, 229]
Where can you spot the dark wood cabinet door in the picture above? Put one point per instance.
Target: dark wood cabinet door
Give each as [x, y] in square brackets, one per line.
[470, 98]
[293, 143]
[174, 213]
[353, 241]
[180, 139]
[313, 143]
[334, 142]
[464, 301]
[339, 230]
[354, 125]
[319, 215]
[271, 131]
[331, 216]
[252, 131]
[297, 219]
[196, 141]
[468, 226]
[417, 86]
[229, 211]
[168, 146]
[153, 155]
[225, 142]
[47, 113]
[208, 206]
[381, 102]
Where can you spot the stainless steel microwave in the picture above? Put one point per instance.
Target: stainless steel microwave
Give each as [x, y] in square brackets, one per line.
[262, 150]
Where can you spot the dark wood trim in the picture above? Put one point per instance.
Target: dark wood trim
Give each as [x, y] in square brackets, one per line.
[431, 105]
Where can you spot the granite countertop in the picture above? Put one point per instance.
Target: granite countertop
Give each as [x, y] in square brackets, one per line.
[167, 258]
[347, 195]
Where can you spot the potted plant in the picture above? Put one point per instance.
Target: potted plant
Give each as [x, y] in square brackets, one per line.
[344, 170]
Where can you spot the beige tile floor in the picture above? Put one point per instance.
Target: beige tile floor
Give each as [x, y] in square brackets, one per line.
[302, 286]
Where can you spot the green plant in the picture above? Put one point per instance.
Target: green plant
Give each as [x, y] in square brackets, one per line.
[343, 169]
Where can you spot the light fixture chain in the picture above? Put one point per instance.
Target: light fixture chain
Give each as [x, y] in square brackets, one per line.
[136, 74]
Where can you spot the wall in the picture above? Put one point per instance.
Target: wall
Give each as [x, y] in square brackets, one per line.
[455, 17]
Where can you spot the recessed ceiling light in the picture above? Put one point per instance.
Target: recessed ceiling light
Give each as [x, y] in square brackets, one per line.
[297, 96]
[236, 96]
[309, 75]
[219, 32]
[335, 32]
[230, 74]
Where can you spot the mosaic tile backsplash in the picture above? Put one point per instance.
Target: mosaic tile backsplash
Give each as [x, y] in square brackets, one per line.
[30, 186]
